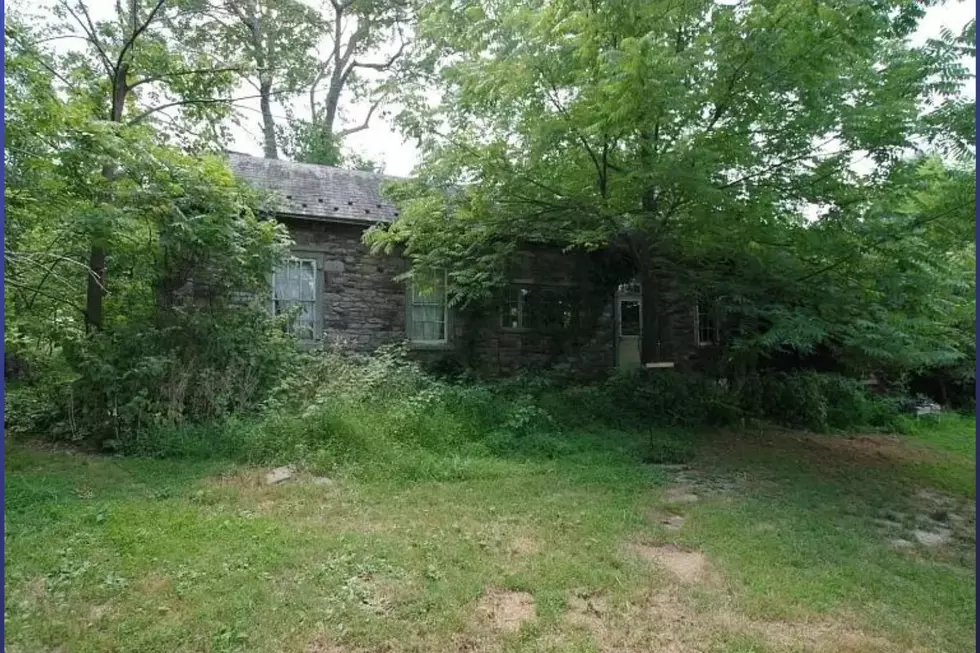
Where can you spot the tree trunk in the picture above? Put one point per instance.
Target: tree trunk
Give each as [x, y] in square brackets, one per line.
[329, 116]
[270, 150]
[95, 286]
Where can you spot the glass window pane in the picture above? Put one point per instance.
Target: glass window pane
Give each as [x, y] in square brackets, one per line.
[629, 318]
[427, 314]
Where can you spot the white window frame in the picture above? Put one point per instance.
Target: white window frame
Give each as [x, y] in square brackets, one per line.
[712, 315]
[316, 293]
[409, 320]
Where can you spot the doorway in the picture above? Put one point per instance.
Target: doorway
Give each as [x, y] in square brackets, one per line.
[629, 324]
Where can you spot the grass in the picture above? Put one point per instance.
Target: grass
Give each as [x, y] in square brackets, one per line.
[126, 554]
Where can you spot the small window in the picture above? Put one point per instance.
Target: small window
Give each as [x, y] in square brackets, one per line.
[513, 314]
[428, 311]
[630, 317]
[537, 308]
[707, 324]
[294, 295]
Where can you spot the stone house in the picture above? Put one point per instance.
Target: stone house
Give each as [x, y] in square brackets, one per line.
[555, 312]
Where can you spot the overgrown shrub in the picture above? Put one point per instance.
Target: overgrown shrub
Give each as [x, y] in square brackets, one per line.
[816, 402]
[181, 336]
[669, 398]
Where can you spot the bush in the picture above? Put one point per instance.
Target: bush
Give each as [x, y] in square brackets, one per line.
[816, 402]
[670, 398]
[383, 412]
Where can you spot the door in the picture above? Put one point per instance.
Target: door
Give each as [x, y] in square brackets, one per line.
[629, 327]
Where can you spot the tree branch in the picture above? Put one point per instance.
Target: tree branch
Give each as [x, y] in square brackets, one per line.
[91, 33]
[881, 241]
[592, 155]
[193, 101]
[383, 65]
[182, 73]
[36, 291]
[131, 41]
[364, 125]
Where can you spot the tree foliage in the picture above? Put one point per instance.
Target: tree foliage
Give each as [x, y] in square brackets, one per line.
[185, 246]
[767, 154]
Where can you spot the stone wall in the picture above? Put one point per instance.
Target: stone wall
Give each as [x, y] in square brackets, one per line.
[361, 306]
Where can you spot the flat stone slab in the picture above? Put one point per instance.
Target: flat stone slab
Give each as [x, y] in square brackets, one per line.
[279, 474]
[932, 538]
[681, 495]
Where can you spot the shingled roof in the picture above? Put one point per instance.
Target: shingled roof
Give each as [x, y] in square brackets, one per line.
[318, 192]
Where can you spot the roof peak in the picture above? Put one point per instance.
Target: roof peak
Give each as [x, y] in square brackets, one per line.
[318, 192]
[299, 166]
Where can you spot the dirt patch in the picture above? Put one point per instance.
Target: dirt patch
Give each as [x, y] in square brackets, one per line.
[506, 611]
[588, 610]
[874, 449]
[524, 546]
[154, 584]
[667, 521]
[815, 636]
[687, 565]
[98, 612]
[36, 590]
[681, 494]
[931, 520]
[669, 621]
[323, 645]
[240, 478]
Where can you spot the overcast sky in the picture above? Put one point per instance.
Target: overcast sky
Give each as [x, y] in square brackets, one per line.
[383, 144]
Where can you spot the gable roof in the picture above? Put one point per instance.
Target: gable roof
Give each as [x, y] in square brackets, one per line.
[318, 192]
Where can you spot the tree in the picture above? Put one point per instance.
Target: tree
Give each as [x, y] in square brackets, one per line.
[276, 39]
[666, 132]
[131, 71]
[183, 239]
[354, 32]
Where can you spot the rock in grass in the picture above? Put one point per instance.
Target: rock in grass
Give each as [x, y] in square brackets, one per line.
[278, 475]
[932, 538]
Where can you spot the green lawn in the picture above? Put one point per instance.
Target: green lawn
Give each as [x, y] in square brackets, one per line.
[765, 542]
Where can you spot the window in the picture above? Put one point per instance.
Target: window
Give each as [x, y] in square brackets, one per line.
[428, 311]
[707, 324]
[630, 317]
[537, 308]
[294, 295]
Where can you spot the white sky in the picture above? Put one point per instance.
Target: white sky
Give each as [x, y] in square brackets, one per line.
[383, 144]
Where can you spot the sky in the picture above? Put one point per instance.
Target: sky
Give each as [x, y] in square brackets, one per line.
[382, 143]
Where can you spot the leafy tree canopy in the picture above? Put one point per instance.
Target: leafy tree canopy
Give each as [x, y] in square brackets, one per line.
[766, 153]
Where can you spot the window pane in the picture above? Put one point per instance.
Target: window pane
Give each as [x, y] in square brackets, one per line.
[294, 294]
[306, 281]
[427, 314]
[707, 325]
[629, 318]
[428, 323]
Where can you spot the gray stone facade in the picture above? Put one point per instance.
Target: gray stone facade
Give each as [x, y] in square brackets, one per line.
[360, 306]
